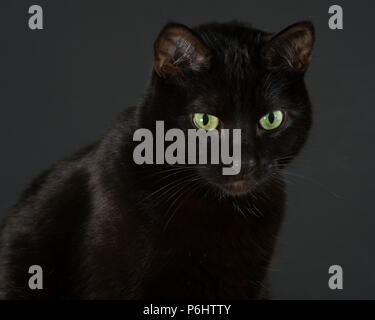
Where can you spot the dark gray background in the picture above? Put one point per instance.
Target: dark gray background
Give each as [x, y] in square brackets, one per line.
[61, 86]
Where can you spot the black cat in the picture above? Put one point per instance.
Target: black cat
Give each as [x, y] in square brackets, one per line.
[103, 227]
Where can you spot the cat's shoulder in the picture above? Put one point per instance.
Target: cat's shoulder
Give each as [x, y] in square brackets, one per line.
[120, 130]
[76, 166]
[127, 119]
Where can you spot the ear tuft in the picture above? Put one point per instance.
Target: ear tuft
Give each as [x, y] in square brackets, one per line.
[291, 47]
[178, 49]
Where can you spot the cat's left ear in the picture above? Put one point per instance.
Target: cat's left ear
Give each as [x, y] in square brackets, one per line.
[291, 47]
[178, 49]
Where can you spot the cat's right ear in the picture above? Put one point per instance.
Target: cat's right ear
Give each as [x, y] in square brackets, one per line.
[178, 49]
[291, 47]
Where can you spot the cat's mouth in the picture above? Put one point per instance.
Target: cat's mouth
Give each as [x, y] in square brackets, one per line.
[237, 188]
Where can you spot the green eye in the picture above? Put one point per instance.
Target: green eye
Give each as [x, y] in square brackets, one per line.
[205, 121]
[271, 120]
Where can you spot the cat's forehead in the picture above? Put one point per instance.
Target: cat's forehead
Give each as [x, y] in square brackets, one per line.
[235, 46]
[231, 38]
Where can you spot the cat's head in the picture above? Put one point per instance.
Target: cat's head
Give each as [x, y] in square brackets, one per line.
[245, 78]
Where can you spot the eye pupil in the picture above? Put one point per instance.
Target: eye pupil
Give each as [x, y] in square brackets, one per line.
[271, 120]
[205, 119]
[271, 117]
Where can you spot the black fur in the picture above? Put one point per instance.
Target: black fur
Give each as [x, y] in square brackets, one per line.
[103, 227]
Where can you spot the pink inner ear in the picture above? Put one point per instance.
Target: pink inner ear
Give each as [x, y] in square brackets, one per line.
[292, 46]
[178, 48]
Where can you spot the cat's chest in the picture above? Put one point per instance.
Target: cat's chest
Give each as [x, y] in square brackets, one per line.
[225, 251]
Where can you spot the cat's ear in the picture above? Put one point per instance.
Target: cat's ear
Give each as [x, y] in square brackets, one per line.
[291, 47]
[178, 49]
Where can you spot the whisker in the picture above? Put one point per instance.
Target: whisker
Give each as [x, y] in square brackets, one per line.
[181, 202]
[173, 186]
[163, 187]
[313, 181]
